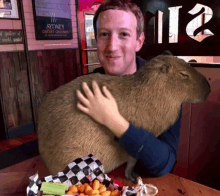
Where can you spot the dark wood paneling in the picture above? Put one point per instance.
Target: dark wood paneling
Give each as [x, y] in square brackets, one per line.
[14, 89]
[181, 167]
[51, 69]
[204, 139]
[3, 132]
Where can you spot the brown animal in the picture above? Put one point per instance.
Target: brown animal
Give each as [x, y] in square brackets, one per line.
[150, 99]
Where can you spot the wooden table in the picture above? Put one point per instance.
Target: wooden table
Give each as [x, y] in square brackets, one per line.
[14, 180]
[169, 185]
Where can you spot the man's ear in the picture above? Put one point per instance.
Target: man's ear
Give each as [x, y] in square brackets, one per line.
[140, 42]
[167, 52]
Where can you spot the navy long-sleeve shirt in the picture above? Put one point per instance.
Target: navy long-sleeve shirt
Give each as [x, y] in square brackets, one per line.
[156, 155]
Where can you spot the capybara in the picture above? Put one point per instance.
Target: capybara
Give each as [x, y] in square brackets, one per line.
[150, 99]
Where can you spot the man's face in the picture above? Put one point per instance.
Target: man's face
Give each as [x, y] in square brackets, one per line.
[117, 42]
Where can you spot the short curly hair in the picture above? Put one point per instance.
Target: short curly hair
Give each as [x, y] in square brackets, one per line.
[126, 5]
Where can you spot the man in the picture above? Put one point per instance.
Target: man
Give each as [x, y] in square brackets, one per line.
[119, 34]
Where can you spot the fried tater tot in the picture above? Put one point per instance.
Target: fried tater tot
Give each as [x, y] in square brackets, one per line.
[106, 193]
[115, 193]
[86, 184]
[81, 188]
[69, 193]
[73, 189]
[102, 188]
[93, 192]
[81, 194]
[96, 185]
[96, 195]
[87, 189]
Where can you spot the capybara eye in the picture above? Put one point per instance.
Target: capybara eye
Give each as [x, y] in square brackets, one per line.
[184, 74]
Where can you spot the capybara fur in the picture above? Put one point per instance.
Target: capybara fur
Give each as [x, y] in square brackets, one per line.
[150, 99]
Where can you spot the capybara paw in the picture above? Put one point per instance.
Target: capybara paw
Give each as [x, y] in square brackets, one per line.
[132, 176]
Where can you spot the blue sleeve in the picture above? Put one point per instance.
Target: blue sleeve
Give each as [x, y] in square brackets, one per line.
[156, 155]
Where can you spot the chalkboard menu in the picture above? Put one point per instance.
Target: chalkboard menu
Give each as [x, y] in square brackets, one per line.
[11, 37]
[52, 19]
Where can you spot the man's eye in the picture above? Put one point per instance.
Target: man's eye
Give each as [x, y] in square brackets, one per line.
[103, 34]
[124, 34]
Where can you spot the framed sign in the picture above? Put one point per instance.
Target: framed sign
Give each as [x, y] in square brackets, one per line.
[207, 17]
[52, 19]
[11, 37]
[185, 28]
[9, 9]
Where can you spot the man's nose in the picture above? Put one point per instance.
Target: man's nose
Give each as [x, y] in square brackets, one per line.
[113, 43]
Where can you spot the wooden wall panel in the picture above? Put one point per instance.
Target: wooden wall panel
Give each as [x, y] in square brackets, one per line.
[205, 133]
[51, 69]
[2, 123]
[181, 168]
[15, 89]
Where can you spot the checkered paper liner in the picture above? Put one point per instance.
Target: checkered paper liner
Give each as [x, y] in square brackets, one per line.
[85, 170]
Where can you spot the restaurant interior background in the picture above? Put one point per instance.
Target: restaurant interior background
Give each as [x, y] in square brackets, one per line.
[37, 57]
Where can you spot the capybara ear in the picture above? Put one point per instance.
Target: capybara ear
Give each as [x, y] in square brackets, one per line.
[165, 68]
[167, 52]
